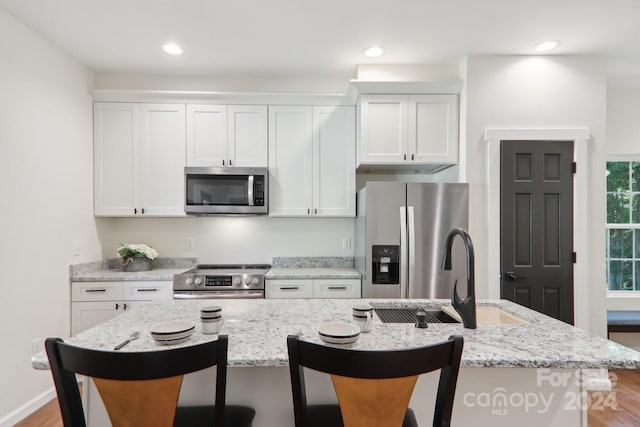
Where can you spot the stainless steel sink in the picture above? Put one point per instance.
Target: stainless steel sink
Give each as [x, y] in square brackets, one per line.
[408, 315]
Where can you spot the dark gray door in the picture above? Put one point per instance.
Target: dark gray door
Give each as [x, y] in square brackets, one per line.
[536, 233]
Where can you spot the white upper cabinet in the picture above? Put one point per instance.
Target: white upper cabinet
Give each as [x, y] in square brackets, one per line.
[334, 161]
[290, 161]
[227, 135]
[406, 129]
[162, 159]
[139, 159]
[383, 128]
[311, 161]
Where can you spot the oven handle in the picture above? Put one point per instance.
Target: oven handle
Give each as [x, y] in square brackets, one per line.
[250, 191]
[219, 295]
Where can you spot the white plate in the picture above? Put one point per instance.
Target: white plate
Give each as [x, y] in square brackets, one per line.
[175, 336]
[172, 327]
[175, 341]
[339, 333]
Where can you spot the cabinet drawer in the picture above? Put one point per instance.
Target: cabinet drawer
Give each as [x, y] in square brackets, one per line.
[96, 291]
[336, 288]
[289, 288]
[147, 291]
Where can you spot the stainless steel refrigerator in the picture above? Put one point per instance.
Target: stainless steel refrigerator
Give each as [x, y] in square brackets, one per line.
[399, 238]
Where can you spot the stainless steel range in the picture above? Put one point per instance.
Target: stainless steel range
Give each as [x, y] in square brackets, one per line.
[221, 281]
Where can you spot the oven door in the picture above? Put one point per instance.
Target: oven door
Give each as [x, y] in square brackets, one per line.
[247, 294]
[226, 191]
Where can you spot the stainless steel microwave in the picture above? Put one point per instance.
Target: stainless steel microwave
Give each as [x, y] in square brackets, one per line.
[230, 190]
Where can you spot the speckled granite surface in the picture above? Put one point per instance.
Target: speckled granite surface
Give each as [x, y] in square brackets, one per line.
[313, 268]
[111, 270]
[258, 329]
[312, 262]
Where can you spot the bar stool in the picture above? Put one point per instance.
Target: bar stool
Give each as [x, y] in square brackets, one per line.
[373, 387]
[142, 388]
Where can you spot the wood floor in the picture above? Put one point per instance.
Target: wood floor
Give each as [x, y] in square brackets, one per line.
[617, 408]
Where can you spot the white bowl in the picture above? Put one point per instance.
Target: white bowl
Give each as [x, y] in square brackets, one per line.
[211, 309]
[175, 336]
[173, 341]
[339, 333]
[172, 327]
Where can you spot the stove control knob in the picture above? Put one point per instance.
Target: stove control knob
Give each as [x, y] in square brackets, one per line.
[247, 281]
[197, 281]
[189, 281]
[255, 281]
[237, 281]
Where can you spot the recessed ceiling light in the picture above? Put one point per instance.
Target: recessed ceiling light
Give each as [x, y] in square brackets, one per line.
[374, 51]
[172, 49]
[546, 46]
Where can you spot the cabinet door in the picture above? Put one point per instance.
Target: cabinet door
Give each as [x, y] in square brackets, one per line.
[247, 143]
[116, 158]
[334, 188]
[383, 128]
[162, 146]
[433, 128]
[289, 288]
[85, 315]
[336, 288]
[290, 164]
[207, 135]
[147, 291]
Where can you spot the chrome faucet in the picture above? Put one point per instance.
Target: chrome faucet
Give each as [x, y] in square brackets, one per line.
[466, 308]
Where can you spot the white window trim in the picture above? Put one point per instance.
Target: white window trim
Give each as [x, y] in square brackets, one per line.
[615, 297]
[579, 136]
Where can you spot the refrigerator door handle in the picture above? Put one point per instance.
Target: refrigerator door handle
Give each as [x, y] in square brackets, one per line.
[412, 250]
[403, 252]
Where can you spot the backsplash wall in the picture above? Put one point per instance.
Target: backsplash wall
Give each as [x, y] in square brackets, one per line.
[230, 239]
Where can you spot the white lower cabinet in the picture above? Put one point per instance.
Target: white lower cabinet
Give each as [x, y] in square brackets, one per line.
[312, 288]
[95, 302]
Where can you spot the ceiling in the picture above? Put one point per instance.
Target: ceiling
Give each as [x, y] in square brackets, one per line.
[325, 38]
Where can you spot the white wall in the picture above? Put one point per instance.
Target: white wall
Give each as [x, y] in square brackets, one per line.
[230, 240]
[537, 92]
[46, 189]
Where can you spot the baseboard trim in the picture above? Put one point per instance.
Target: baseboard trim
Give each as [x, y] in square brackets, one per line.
[28, 408]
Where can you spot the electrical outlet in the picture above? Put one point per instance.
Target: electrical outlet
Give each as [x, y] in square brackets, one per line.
[75, 248]
[189, 244]
[346, 243]
[36, 346]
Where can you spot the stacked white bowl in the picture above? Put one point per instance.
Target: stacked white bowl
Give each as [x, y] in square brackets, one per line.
[211, 317]
[173, 332]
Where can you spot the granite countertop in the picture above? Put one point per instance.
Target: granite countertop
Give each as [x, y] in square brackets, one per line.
[111, 270]
[258, 329]
[313, 273]
[313, 268]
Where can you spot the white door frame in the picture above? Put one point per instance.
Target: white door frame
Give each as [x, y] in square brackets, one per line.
[579, 136]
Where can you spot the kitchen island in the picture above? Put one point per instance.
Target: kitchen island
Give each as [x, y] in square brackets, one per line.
[531, 373]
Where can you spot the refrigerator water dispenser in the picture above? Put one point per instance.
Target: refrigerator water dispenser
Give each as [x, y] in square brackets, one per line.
[385, 264]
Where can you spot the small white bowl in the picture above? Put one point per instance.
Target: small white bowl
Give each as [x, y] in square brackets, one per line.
[339, 333]
[171, 327]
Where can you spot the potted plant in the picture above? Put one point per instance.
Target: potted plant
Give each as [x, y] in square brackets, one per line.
[136, 256]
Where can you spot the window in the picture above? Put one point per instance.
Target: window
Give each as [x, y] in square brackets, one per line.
[623, 226]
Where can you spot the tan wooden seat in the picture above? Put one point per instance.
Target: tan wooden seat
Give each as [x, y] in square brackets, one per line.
[373, 387]
[142, 388]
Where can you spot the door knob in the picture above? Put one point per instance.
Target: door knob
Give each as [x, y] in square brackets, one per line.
[510, 275]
